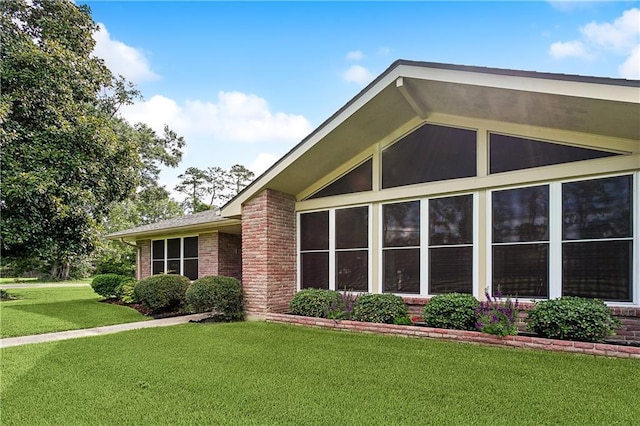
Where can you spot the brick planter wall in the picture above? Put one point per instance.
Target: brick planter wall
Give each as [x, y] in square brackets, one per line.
[629, 317]
[268, 252]
[524, 342]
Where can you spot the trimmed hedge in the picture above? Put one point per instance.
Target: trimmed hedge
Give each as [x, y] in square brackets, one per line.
[314, 302]
[106, 284]
[219, 295]
[572, 318]
[124, 291]
[162, 293]
[455, 311]
[384, 308]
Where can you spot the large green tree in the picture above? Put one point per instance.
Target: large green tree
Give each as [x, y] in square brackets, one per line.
[64, 162]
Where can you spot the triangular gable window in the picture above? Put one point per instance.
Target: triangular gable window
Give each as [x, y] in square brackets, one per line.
[509, 153]
[356, 180]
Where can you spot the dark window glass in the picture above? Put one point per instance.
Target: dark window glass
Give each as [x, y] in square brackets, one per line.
[401, 271]
[158, 267]
[314, 231]
[430, 153]
[357, 180]
[521, 270]
[190, 247]
[315, 270]
[521, 215]
[510, 153]
[173, 266]
[352, 270]
[599, 208]
[451, 220]
[190, 269]
[598, 269]
[158, 249]
[173, 248]
[352, 228]
[401, 224]
[451, 270]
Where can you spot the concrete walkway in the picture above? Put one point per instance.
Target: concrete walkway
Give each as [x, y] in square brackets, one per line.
[97, 331]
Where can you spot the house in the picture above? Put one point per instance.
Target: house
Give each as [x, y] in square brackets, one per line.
[436, 178]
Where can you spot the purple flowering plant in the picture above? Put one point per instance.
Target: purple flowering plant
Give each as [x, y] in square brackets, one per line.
[342, 309]
[497, 317]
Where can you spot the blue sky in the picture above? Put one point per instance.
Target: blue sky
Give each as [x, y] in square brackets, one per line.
[243, 82]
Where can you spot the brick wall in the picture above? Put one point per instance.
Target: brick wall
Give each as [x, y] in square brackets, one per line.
[268, 252]
[144, 260]
[230, 255]
[208, 254]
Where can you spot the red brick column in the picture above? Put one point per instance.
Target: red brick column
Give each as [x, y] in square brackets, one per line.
[144, 259]
[207, 254]
[230, 255]
[268, 252]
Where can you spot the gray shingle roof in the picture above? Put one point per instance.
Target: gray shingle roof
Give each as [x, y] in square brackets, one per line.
[209, 216]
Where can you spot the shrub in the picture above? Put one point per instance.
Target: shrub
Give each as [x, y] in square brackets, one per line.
[342, 309]
[384, 308]
[403, 321]
[453, 311]
[124, 291]
[220, 295]
[314, 302]
[498, 318]
[572, 318]
[106, 284]
[161, 292]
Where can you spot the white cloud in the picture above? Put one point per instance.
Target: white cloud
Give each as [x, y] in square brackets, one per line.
[619, 38]
[262, 162]
[122, 59]
[567, 49]
[631, 67]
[357, 74]
[621, 35]
[234, 117]
[355, 55]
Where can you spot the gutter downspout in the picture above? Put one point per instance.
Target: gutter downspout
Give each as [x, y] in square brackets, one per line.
[138, 250]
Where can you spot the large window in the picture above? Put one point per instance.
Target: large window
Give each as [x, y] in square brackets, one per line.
[175, 256]
[588, 253]
[334, 249]
[401, 247]
[357, 180]
[430, 153]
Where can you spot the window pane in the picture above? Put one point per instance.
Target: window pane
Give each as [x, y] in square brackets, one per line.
[401, 224]
[173, 248]
[599, 208]
[190, 269]
[357, 180]
[352, 228]
[429, 154]
[314, 231]
[158, 267]
[402, 271]
[521, 270]
[173, 266]
[158, 249]
[521, 215]
[450, 270]
[451, 220]
[352, 270]
[191, 247]
[598, 269]
[315, 270]
[511, 153]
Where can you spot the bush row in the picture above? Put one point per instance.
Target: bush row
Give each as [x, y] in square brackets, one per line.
[161, 293]
[568, 318]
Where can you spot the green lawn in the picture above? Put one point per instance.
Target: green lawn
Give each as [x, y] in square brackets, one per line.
[45, 310]
[10, 280]
[257, 373]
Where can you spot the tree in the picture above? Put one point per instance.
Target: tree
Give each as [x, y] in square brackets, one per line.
[239, 177]
[193, 184]
[64, 161]
[217, 179]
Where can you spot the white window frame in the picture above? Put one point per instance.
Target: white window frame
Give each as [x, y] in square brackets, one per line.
[332, 247]
[424, 244]
[182, 258]
[555, 235]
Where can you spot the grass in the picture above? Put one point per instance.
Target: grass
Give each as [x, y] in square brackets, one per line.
[263, 374]
[10, 280]
[45, 310]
